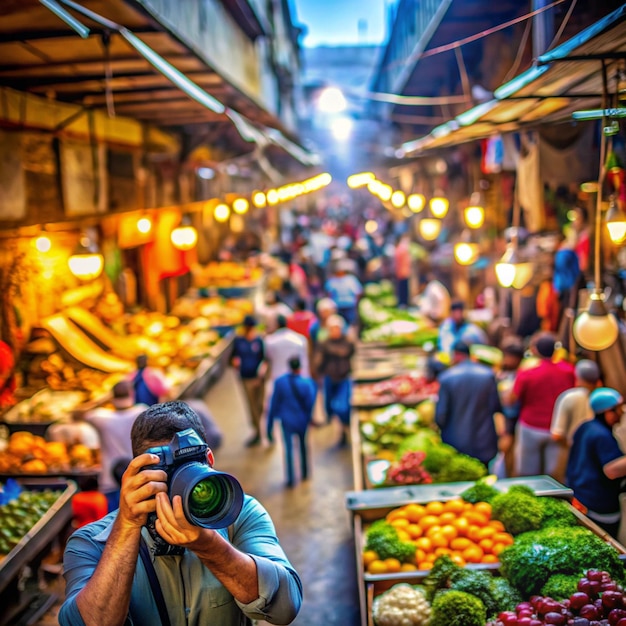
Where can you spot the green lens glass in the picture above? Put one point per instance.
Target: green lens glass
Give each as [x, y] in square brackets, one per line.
[208, 497]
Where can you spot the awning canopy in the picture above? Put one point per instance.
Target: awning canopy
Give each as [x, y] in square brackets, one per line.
[562, 81]
[128, 62]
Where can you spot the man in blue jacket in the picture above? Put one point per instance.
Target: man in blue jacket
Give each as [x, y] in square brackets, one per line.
[468, 399]
[292, 403]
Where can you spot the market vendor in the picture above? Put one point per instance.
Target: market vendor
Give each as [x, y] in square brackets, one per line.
[596, 463]
[7, 376]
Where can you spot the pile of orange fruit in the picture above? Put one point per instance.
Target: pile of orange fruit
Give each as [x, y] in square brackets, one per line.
[463, 531]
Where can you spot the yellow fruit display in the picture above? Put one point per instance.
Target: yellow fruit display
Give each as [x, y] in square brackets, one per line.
[461, 530]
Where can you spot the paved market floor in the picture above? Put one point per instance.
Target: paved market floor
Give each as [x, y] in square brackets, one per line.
[311, 520]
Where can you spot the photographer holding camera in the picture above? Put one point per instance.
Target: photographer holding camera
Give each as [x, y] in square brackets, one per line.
[209, 554]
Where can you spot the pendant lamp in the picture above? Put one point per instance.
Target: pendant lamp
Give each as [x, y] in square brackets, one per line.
[616, 222]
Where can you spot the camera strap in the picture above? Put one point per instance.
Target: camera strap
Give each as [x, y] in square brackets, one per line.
[154, 583]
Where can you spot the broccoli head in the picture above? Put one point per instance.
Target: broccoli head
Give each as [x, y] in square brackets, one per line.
[557, 513]
[479, 584]
[560, 586]
[479, 492]
[382, 538]
[505, 596]
[457, 608]
[440, 576]
[519, 509]
[537, 556]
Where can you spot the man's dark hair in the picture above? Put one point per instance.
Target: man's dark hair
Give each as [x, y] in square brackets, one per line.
[300, 304]
[142, 361]
[294, 363]
[281, 321]
[161, 422]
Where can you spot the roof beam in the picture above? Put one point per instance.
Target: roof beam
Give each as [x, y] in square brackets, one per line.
[143, 96]
[90, 64]
[36, 35]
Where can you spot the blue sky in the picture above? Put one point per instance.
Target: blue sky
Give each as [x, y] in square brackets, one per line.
[336, 22]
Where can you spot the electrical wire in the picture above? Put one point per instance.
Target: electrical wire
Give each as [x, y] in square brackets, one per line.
[563, 24]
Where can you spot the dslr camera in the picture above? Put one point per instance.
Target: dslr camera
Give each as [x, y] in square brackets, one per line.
[210, 499]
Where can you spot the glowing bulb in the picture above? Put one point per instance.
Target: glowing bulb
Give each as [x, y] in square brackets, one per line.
[474, 216]
[184, 237]
[360, 180]
[221, 212]
[259, 200]
[144, 225]
[505, 273]
[466, 253]
[241, 206]
[439, 206]
[332, 100]
[43, 244]
[398, 199]
[272, 197]
[416, 202]
[385, 193]
[86, 266]
[596, 328]
[430, 228]
[371, 226]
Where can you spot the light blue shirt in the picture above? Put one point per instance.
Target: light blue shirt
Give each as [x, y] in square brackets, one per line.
[344, 290]
[192, 594]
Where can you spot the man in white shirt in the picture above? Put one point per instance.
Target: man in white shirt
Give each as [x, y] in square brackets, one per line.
[433, 299]
[114, 426]
[281, 346]
[572, 409]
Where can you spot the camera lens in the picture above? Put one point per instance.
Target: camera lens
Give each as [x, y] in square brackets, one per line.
[208, 497]
[211, 499]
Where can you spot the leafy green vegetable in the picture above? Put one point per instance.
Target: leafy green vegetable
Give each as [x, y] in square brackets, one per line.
[479, 492]
[556, 513]
[518, 509]
[437, 457]
[457, 608]
[461, 467]
[382, 537]
[478, 583]
[537, 556]
[439, 576]
[560, 586]
[505, 596]
[421, 441]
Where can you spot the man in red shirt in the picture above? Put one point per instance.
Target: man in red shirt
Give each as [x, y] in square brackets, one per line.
[301, 319]
[536, 389]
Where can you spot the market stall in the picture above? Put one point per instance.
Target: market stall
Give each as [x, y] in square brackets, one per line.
[33, 515]
[527, 540]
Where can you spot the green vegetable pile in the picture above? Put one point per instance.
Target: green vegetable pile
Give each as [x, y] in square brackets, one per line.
[560, 586]
[457, 608]
[382, 537]
[537, 556]
[390, 427]
[18, 516]
[520, 510]
[480, 492]
[495, 594]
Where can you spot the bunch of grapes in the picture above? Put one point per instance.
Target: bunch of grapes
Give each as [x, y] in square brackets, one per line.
[599, 601]
[409, 470]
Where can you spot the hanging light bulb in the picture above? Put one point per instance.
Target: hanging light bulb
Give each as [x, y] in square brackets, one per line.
[144, 225]
[475, 212]
[512, 270]
[272, 197]
[185, 236]
[616, 222]
[385, 192]
[259, 200]
[430, 228]
[416, 202]
[595, 328]
[241, 206]
[221, 212]
[86, 263]
[398, 199]
[439, 206]
[43, 244]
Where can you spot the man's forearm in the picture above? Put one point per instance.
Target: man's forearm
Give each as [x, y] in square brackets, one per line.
[105, 599]
[234, 569]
